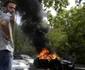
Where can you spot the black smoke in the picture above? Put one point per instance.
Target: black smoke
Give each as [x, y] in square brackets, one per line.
[32, 23]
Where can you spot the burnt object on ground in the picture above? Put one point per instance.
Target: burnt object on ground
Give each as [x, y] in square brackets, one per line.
[54, 64]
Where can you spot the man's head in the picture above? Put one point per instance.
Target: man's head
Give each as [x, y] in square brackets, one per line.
[9, 6]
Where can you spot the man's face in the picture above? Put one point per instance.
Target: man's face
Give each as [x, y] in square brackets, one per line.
[11, 8]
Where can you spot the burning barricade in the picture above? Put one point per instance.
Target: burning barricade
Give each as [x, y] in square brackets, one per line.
[45, 60]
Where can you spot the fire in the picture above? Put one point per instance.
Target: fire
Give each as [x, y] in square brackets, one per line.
[44, 54]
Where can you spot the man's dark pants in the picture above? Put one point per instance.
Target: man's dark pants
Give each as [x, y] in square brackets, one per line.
[6, 58]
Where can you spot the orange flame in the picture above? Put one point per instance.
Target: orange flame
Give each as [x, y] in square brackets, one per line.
[44, 54]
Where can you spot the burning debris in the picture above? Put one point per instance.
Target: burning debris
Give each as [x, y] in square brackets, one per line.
[34, 28]
[54, 64]
[47, 60]
[44, 54]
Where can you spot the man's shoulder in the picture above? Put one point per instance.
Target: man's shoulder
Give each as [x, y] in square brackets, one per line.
[2, 14]
[5, 16]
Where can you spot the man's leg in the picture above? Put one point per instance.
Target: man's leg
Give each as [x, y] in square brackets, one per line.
[6, 58]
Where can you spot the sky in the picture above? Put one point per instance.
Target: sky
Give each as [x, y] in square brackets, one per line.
[72, 4]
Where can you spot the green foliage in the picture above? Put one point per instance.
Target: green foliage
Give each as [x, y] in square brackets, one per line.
[58, 34]
[67, 34]
[58, 38]
[56, 4]
[76, 35]
[22, 43]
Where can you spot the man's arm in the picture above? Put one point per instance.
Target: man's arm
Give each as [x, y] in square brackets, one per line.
[12, 24]
[13, 21]
[5, 27]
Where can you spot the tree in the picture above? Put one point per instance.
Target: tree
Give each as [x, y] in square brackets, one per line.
[71, 24]
[76, 33]
[22, 43]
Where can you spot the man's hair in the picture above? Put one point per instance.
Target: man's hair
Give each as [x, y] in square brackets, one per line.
[7, 2]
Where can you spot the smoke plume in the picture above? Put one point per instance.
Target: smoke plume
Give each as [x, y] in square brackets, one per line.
[32, 23]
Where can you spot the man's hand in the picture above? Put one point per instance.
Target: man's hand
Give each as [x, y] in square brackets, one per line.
[7, 38]
[13, 17]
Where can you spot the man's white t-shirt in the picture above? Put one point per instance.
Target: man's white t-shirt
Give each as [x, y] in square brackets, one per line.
[5, 44]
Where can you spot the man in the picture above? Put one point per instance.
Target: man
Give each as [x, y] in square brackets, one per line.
[6, 32]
